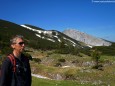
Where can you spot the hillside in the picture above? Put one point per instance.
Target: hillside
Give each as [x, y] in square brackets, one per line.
[106, 50]
[86, 38]
[36, 37]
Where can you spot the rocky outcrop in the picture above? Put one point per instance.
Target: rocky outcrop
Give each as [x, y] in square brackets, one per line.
[88, 39]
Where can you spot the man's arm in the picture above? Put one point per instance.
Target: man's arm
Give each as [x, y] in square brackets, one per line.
[5, 72]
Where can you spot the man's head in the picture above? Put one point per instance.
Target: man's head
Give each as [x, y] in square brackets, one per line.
[17, 43]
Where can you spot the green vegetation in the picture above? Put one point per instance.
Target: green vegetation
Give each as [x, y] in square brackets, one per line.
[96, 56]
[44, 82]
[107, 50]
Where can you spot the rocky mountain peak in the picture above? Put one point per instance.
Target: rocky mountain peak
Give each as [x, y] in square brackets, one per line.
[88, 39]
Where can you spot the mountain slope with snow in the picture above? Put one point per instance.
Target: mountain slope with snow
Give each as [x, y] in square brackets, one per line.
[53, 36]
[36, 37]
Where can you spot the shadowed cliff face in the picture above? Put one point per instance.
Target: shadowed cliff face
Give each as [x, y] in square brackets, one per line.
[88, 39]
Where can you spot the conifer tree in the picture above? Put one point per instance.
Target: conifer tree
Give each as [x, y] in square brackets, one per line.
[96, 56]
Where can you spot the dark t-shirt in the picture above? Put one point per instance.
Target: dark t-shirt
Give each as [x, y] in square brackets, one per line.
[22, 74]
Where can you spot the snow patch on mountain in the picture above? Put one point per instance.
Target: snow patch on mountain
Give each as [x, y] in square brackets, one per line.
[49, 35]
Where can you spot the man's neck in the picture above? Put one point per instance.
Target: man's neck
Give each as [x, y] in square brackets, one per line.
[17, 54]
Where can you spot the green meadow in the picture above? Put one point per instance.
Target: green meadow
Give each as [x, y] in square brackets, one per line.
[44, 82]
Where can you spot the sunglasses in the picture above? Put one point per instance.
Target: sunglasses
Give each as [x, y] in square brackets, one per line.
[21, 43]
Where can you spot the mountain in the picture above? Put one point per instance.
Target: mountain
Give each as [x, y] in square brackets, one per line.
[88, 39]
[52, 35]
[35, 37]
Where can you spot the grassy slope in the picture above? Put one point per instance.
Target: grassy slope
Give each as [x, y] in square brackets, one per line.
[44, 82]
[97, 78]
[82, 74]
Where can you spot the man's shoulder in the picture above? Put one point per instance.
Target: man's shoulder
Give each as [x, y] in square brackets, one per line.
[6, 62]
[7, 59]
[26, 56]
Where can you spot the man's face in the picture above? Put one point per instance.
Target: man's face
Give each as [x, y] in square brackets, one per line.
[19, 45]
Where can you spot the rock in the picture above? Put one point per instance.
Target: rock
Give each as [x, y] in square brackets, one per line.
[88, 39]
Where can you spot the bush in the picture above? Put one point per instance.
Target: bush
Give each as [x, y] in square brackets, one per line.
[75, 61]
[61, 60]
[28, 55]
[37, 60]
[58, 65]
[99, 67]
[70, 74]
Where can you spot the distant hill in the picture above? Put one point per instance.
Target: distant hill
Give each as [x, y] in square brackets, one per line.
[86, 38]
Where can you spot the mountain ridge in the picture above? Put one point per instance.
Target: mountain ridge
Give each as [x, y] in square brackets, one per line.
[86, 38]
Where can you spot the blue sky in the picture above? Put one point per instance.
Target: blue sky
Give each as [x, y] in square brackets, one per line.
[94, 18]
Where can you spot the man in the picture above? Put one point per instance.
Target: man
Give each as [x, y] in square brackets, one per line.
[22, 74]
